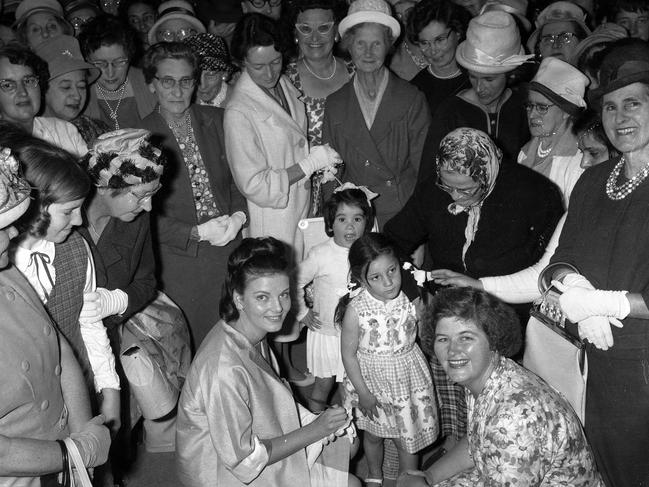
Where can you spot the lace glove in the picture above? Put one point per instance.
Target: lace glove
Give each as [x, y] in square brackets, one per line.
[102, 303]
[320, 157]
[93, 442]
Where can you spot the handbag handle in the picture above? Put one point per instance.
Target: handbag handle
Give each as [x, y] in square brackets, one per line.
[77, 462]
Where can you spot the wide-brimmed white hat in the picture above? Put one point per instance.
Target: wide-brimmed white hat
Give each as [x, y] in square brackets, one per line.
[557, 12]
[492, 45]
[561, 83]
[175, 9]
[371, 11]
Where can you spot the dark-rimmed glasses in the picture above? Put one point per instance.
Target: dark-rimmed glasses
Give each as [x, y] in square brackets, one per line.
[261, 3]
[541, 108]
[467, 192]
[558, 39]
[169, 83]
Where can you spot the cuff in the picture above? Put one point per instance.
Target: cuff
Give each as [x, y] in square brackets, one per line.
[250, 467]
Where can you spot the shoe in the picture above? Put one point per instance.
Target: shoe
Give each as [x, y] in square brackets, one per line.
[306, 380]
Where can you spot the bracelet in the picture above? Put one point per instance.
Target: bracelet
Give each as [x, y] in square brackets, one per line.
[65, 480]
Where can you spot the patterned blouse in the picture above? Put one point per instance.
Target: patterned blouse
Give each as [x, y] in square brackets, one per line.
[523, 433]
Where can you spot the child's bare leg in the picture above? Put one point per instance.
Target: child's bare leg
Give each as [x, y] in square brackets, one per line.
[321, 390]
[407, 461]
[373, 446]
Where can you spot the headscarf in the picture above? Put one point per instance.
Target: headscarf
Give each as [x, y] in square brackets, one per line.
[124, 158]
[472, 153]
[14, 189]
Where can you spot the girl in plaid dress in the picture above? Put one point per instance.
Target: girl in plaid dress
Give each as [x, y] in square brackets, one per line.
[387, 378]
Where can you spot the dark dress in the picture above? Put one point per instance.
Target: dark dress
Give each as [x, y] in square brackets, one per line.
[508, 127]
[437, 90]
[192, 273]
[608, 242]
[516, 222]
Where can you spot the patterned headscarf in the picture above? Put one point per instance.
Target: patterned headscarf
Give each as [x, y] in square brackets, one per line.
[124, 158]
[14, 190]
[471, 153]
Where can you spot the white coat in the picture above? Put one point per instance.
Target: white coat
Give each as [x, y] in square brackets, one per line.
[262, 140]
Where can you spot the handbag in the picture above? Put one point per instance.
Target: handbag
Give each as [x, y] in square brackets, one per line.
[551, 351]
[155, 354]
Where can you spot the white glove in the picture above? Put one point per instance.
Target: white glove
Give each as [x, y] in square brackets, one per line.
[102, 303]
[597, 330]
[579, 303]
[212, 229]
[320, 157]
[233, 224]
[329, 174]
[576, 280]
[93, 442]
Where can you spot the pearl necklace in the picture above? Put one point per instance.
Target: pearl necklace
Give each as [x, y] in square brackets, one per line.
[113, 113]
[617, 193]
[543, 153]
[326, 78]
[454, 74]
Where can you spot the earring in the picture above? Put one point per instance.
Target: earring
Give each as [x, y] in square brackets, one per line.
[296, 40]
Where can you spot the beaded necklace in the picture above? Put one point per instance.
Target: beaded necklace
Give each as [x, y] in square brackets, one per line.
[617, 193]
[120, 92]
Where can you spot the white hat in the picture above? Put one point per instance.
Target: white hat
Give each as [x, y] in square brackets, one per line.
[492, 45]
[175, 9]
[372, 11]
[14, 191]
[557, 12]
[517, 8]
[562, 84]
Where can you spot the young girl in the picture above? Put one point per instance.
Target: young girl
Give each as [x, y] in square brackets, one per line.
[387, 379]
[347, 214]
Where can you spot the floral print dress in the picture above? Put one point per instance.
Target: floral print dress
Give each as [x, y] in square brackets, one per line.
[523, 433]
[395, 371]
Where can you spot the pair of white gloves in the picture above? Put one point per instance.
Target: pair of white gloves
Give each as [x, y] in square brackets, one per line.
[592, 309]
[221, 230]
[321, 158]
[102, 303]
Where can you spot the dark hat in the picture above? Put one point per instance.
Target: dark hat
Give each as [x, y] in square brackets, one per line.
[624, 63]
[212, 52]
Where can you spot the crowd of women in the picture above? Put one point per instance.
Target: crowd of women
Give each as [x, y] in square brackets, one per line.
[163, 167]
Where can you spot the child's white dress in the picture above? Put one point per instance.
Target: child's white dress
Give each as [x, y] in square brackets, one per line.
[395, 371]
[327, 266]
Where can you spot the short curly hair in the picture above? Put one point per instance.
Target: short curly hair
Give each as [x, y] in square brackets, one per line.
[497, 319]
[445, 12]
[107, 30]
[168, 50]
[255, 30]
[20, 55]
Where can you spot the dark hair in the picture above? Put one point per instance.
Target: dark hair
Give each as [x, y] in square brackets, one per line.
[255, 30]
[295, 8]
[349, 35]
[168, 50]
[351, 197]
[124, 5]
[104, 31]
[589, 122]
[362, 253]
[615, 7]
[17, 54]
[443, 11]
[254, 257]
[497, 319]
[52, 172]
[21, 29]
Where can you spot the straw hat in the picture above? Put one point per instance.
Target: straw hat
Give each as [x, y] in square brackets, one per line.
[175, 9]
[372, 11]
[63, 56]
[492, 45]
[557, 12]
[561, 83]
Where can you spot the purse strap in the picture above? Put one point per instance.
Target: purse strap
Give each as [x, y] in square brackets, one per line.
[77, 463]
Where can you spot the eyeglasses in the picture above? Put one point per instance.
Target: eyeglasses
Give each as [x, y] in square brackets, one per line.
[460, 191]
[439, 42]
[307, 29]
[175, 35]
[78, 22]
[116, 64]
[541, 108]
[558, 39]
[50, 28]
[144, 198]
[11, 85]
[169, 83]
[261, 3]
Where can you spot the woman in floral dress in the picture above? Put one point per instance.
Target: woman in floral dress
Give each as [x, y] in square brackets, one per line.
[521, 431]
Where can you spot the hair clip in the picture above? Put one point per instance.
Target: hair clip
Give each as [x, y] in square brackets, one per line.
[353, 289]
[370, 195]
[419, 275]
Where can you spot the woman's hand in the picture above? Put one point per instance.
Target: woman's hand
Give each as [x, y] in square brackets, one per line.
[102, 303]
[93, 442]
[368, 404]
[311, 321]
[330, 421]
[221, 230]
[446, 277]
[110, 405]
[320, 157]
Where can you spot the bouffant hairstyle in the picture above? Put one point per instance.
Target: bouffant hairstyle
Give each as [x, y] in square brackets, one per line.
[168, 50]
[257, 30]
[53, 174]
[350, 197]
[254, 257]
[498, 320]
[107, 30]
[443, 11]
[22, 56]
